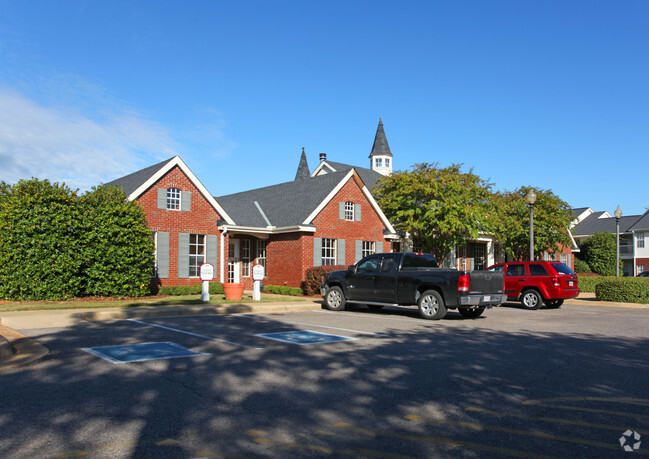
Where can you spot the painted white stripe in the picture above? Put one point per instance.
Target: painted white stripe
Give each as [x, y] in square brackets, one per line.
[193, 334]
[360, 332]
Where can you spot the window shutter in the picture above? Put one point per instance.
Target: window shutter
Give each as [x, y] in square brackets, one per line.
[162, 198]
[341, 210]
[212, 250]
[186, 201]
[317, 251]
[162, 255]
[358, 250]
[183, 255]
[379, 247]
[357, 212]
[340, 252]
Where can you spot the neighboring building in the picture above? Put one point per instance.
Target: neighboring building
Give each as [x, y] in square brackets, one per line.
[634, 236]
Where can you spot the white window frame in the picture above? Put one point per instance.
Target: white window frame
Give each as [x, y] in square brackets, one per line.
[197, 251]
[368, 248]
[329, 249]
[387, 162]
[245, 257]
[378, 162]
[261, 253]
[349, 211]
[640, 240]
[173, 199]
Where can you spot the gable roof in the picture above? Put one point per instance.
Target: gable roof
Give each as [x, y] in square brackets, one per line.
[642, 224]
[602, 222]
[369, 177]
[292, 204]
[137, 183]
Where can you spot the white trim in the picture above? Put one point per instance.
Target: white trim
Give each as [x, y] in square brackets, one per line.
[319, 170]
[329, 197]
[378, 210]
[257, 231]
[176, 161]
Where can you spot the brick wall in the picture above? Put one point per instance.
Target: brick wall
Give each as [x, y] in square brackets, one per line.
[202, 219]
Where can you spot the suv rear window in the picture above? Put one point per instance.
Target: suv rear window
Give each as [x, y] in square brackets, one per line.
[538, 270]
[419, 260]
[563, 269]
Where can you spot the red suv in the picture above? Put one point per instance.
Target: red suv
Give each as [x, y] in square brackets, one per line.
[536, 282]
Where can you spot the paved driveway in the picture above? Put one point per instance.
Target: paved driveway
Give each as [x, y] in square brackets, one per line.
[570, 382]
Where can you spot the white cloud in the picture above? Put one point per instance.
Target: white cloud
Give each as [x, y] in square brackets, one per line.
[61, 144]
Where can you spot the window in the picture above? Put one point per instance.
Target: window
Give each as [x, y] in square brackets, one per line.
[641, 268]
[387, 162]
[368, 248]
[196, 253]
[422, 260]
[349, 211]
[261, 253]
[378, 162]
[538, 270]
[640, 239]
[515, 270]
[245, 257]
[371, 265]
[328, 252]
[173, 199]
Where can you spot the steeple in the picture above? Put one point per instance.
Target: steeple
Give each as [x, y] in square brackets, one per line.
[303, 168]
[381, 156]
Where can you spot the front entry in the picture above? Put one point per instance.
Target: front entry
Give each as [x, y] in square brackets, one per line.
[234, 262]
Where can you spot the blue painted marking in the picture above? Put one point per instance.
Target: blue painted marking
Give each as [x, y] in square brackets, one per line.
[141, 352]
[304, 337]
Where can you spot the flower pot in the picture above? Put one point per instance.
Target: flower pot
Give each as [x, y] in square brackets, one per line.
[233, 291]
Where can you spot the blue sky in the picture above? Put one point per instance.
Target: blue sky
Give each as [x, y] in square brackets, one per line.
[550, 94]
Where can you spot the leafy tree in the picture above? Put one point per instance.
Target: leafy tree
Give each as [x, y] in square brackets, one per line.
[118, 248]
[56, 245]
[439, 207]
[552, 217]
[40, 225]
[599, 252]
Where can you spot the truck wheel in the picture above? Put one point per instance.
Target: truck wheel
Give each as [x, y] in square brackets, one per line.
[531, 299]
[471, 313]
[431, 305]
[334, 299]
[553, 304]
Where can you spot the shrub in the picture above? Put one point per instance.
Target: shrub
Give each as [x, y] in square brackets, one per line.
[283, 290]
[313, 282]
[581, 266]
[588, 282]
[216, 288]
[599, 252]
[623, 290]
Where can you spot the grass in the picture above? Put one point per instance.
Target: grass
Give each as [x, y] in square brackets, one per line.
[151, 301]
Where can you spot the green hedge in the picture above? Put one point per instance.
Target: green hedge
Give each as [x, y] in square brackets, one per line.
[216, 288]
[283, 290]
[588, 282]
[623, 290]
[311, 285]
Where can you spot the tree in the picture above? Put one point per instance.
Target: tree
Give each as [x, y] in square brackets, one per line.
[56, 245]
[439, 207]
[552, 217]
[599, 251]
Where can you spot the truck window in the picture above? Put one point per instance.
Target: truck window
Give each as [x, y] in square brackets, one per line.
[538, 270]
[419, 260]
[388, 265]
[496, 269]
[370, 265]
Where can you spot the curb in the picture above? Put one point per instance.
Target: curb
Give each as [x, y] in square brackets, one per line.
[16, 349]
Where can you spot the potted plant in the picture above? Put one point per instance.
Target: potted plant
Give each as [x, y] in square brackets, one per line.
[233, 291]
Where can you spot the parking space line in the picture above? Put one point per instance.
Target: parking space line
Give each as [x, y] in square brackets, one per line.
[194, 334]
[360, 332]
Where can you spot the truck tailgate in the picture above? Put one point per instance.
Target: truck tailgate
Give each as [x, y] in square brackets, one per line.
[486, 282]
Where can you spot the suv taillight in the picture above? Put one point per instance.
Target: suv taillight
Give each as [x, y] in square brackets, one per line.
[463, 283]
[556, 281]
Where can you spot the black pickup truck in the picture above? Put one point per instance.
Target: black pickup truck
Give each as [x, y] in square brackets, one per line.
[409, 279]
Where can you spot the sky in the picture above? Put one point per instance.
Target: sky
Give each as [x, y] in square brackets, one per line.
[548, 94]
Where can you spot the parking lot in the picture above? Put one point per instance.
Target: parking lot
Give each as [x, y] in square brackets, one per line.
[568, 382]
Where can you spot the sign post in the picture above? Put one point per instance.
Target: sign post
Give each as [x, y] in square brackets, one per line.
[207, 274]
[258, 273]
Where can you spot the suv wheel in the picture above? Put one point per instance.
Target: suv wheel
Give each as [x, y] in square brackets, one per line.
[531, 299]
[334, 299]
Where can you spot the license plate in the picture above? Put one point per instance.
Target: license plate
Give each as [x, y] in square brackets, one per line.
[570, 283]
[486, 298]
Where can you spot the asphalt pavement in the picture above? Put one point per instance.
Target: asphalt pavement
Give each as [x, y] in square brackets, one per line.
[17, 349]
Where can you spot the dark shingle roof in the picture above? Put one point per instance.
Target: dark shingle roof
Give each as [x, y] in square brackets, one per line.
[380, 145]
[286, 204]
[594, 224]
[130, 183]
[642, 223]
[303, 168]
[369, 177]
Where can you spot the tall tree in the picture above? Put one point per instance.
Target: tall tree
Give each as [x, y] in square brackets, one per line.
[599, 251]
[439, 207]
[552, 217]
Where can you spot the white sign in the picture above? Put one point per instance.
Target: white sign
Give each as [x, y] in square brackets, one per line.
[258, 272]
[207, 272]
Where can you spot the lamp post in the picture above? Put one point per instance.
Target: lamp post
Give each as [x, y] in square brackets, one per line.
[531, 199]
[618, 215]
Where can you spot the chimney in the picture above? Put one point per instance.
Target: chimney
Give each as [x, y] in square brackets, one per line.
[323, 157]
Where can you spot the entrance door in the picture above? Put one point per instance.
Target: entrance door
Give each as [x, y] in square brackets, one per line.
[478, 256]
[234, 262]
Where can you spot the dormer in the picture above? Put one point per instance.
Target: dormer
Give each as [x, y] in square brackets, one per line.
[381, 156]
